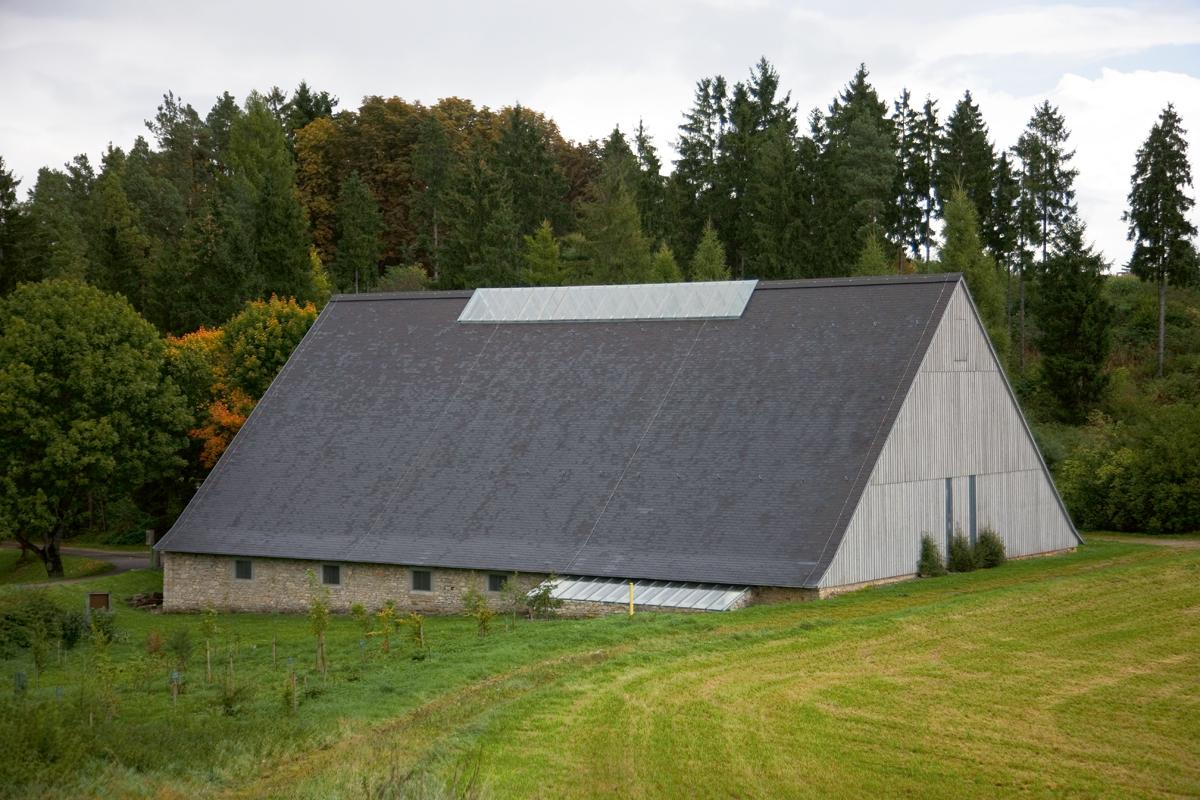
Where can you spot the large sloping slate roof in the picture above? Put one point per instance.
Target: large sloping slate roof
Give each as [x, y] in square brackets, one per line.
[725, 451]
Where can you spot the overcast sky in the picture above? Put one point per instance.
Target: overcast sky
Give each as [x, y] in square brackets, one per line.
[77, 75]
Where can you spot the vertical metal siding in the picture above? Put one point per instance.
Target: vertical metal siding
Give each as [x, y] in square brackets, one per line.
[958, 420]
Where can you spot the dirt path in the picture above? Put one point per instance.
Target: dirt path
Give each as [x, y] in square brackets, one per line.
[121, 561]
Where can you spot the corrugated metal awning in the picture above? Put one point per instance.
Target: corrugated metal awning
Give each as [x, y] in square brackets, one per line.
[665, 594]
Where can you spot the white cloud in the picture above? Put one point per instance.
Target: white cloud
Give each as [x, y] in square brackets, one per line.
[76, 79]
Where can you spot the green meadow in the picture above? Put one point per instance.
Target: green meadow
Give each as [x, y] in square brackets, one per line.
[1073, 675]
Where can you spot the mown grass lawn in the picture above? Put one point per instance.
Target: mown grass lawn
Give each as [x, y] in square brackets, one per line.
[13, 570]
[1072, 675]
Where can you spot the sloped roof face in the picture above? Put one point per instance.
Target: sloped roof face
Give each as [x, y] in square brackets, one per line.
[722, 451]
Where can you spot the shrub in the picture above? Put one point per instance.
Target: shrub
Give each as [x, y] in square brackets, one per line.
[179, 644]
[989, 549]
[74, 626]
[477, 608]
[930, 564]
[962, 555]
[541, 601]
[23, 612]
[154, 643]
[104, 623]
[416, 632]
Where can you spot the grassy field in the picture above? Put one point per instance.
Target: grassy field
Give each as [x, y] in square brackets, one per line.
[32, 571]
[1072, 675]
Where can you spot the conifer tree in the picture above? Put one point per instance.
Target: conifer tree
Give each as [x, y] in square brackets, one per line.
[906, 212]
[1163, 250]
[543, 258]
[122, 255]
[665, 269]
[432, 167]
[708, 262]
[483, 245]
[356, 263]
[872, 260]
[923, 171]
[966, 158]
[1074, 324]
[1003, 238]
[651, 187]
[1047, 179]
[695, 185]
[963, 252]
[523, 159]
[861, 159]
[13, 233]
[263, 169]
[615, 249]
[57, 247]
[777, 207]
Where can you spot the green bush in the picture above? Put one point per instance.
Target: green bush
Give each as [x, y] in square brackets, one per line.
[541, 601]
[962, 555]
[23, 612]
[930, 564]
[989, 549]
[1143, 476]
[74, 626]
[104, 623]
[476, 607]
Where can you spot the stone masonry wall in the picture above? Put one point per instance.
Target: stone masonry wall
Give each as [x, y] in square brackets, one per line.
[192, 582]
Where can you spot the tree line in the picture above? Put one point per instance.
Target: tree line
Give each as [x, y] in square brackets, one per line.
[200, 224]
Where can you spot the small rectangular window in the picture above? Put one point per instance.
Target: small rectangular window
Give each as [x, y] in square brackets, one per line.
[422, 580]
[243, 569]
[331, 574]
[496, 583]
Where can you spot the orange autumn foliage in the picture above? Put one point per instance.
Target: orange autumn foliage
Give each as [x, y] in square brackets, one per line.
[226, 415]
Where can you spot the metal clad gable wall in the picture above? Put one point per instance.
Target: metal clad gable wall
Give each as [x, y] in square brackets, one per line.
[958, 420]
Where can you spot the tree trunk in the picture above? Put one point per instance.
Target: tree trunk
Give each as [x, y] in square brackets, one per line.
[1162, 319]
[52, 558]
[1021, 352]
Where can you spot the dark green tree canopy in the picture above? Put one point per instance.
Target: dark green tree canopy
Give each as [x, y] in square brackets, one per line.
[359, 225]
[86, 408]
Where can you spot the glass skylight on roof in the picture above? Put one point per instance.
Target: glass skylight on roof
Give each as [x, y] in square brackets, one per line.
[645, 301]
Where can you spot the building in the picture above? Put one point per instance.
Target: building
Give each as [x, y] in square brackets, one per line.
[716, 444]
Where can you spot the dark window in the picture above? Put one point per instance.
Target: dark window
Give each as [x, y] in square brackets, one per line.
[949, 513]
[331, 574]
[243, 569]
[496, 583]
[422, 580]
[971, 506]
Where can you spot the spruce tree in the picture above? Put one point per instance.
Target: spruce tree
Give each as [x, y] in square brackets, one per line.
[708, 262]
[860, 155]
[57, 246]
[13, 233]
[651, 187]
[966, 158]
[356, 263]
[694, 190]
[872, 260]
[1074, 322]
[963, 252]
[1002, 239]
[1047, 178]
[615, 250]
[923, 170]
[906, 217]
[432, 168]
[122, 254]
[1163, 250]
[524, 160]
[262, 168]
[665, 268]
[777, 207]
[543, 258]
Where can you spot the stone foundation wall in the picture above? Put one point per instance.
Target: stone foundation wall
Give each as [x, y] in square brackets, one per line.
[193, 582]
